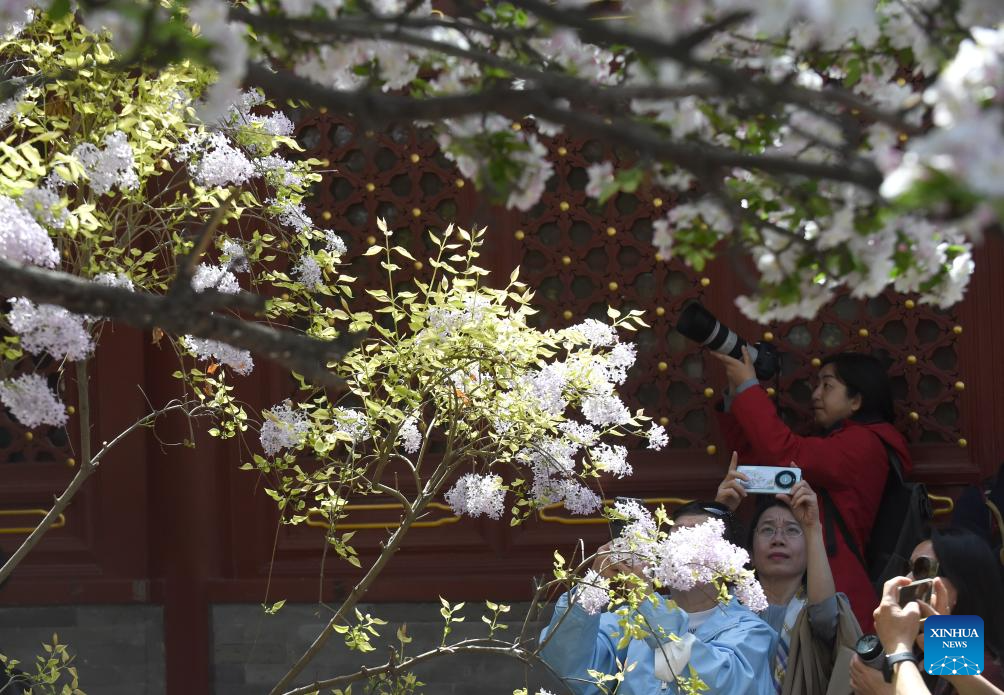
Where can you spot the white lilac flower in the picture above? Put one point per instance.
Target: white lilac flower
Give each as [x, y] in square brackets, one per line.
[283, 428]
[44, 205]
[551, 456]
[237, 259]
[207, 349]
[292, 215]
[351, 423]
[592, 592]
[22, 240]
[8, 109]
[277, 123]
[220, 163]
[279, 171]
[308, 271]
[476, 495]
[579, 432]
[334, 243]
[579, 499]
[32, 402]
[596, 333]
[619, 360]
[109, 167]
[548, 385]
[657, 437]
[604, 410]
[49, 328]
[700, 555]
[214, 277]
[611, 459]
[409, 435]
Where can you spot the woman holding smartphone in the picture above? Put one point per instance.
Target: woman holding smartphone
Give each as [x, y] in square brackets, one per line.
[848, 462]
[967, 581]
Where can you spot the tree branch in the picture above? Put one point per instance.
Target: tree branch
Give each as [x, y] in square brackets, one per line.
[191, 315]
[369, 107]
[87, 467]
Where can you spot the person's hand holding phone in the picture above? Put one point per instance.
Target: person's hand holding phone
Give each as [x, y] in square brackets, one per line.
[896, 626]
[731, 492]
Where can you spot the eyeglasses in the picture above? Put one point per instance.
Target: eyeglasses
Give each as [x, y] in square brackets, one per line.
[924, 567]
[789, 532]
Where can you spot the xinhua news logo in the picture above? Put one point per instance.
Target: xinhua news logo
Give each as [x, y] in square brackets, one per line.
[953, 645]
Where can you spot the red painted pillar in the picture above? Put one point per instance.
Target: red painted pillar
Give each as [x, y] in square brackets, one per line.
[185, 532]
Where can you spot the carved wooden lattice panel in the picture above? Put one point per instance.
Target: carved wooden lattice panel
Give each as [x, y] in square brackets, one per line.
[917, 342]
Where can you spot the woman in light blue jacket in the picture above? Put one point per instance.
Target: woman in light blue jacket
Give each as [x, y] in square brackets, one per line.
[725, 645]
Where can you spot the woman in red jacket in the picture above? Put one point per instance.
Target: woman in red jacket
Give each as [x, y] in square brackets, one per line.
[853, 408]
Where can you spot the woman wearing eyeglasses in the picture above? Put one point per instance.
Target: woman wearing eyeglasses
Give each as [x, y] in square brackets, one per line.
[789, 555]
[853, 407]
[968, 583]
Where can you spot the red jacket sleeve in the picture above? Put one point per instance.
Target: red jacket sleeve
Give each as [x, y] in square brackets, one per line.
[734, 436]
[846, 459]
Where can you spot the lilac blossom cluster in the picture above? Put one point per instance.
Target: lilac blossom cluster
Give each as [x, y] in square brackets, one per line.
[283, 428]
[475, 495]
[32, 402]
[108, 167]
[207, 349]
[49, 328]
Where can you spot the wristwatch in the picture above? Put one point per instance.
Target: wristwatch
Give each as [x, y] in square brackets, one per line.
[893, 659]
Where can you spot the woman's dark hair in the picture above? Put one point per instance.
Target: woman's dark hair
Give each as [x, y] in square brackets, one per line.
[865, 376]
[733, 530]
[974, 569]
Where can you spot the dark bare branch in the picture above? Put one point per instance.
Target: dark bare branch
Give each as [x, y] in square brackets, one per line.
[192, 315]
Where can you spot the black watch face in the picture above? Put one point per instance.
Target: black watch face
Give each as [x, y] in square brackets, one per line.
[785, 479]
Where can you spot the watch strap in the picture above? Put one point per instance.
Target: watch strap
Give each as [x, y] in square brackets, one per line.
[893, 659]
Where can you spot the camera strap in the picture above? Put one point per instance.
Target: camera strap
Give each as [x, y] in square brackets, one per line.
[832, 516]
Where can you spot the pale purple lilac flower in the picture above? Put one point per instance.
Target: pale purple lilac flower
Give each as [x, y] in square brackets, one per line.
[32, 402]
[475, 495]
[283, 428]
[22, 240]
[205, 349]
[49, 328]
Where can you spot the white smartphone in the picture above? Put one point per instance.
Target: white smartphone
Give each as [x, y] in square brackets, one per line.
[769, 480]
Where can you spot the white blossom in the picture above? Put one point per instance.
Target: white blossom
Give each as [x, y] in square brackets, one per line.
[334, 243]
[283, 428]
[229, 55]
[109, 167]
[409, 435]
[604, 410]
[45, 205]
[110, 279]
[600, 176]
[219, 163]
[619, 360]
[596, 333]
[32, 402]
[476, 495]
[308, 271]
[611, 459]
[351, 423]
[237, 259]
[214, 277]
[592, 592]
[657, 437]
[22, 240]
[207, 349]
[49, 328]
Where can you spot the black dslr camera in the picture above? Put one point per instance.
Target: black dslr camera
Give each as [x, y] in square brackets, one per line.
[700, 325]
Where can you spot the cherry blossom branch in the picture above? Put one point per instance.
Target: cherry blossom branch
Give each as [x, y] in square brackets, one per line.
[699, 158]
[188, 315]
[87, 467]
